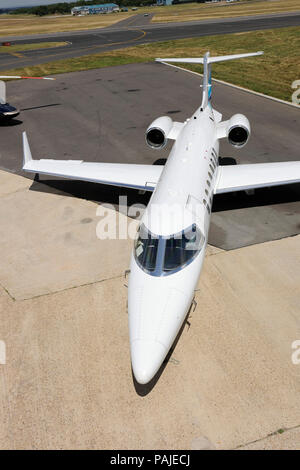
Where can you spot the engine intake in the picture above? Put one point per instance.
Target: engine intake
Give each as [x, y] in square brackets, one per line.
[238, 130]
[157, 132]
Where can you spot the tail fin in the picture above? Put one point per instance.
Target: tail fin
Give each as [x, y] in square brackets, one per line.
[207, 61]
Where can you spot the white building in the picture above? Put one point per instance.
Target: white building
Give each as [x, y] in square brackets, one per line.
[95, 9]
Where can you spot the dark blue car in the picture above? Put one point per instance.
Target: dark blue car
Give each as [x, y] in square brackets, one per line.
[8, 112]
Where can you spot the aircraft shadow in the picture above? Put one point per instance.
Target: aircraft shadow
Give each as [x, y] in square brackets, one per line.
[261, 197]
[42, 106]
[10, 122]
[101, 193]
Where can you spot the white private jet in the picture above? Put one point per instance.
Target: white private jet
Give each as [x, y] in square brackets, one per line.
[170, 246]
[7, 111]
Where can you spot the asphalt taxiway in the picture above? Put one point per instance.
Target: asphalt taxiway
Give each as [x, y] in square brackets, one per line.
[134, 31]
[102, 115]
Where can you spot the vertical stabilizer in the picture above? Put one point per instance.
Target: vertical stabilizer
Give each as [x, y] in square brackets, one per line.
[206, 96]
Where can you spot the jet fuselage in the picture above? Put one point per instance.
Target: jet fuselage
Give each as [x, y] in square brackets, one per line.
[159, 299]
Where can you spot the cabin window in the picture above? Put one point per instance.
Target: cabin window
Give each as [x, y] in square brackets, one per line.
[215, 157]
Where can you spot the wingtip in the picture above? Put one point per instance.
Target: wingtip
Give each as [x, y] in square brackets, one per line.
[27, 157]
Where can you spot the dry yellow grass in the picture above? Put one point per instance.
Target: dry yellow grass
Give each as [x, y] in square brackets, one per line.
[27, 24]
[30, 47]
[14, 25]
[271, 74]
[196, 11]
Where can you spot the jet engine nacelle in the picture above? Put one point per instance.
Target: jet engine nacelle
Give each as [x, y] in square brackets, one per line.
[157, 132]
[238, 130]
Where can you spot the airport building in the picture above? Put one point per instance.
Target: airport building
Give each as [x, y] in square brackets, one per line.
[164, 2]
[95, 9]
[177, 2]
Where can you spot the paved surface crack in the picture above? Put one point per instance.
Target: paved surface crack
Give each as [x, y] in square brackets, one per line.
[275, 433]
[7, 292]
[66, 289]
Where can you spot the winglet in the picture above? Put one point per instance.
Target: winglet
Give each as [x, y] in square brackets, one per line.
[27, 157]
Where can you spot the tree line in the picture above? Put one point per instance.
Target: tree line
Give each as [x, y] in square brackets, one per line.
[64, 8]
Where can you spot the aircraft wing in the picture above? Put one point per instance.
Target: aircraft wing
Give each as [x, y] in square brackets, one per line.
[144, 177]
[257, 175]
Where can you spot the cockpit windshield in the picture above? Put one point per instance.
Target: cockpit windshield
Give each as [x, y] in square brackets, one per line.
[146, 249]
[161, 256]
[181, 249]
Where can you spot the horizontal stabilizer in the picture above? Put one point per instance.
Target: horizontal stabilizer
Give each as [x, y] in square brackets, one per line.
[206, 61]
[183, 61]
[221, 58]
[210, 60]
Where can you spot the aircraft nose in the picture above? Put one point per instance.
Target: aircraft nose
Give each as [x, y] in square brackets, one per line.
[146, 359]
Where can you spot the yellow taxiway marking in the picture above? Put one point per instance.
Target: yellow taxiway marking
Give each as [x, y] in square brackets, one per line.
[110, 44]
[16, 54]
[131, 20]
[93, 47]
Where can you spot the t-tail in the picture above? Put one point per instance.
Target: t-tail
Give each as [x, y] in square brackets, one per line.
[206, 61]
